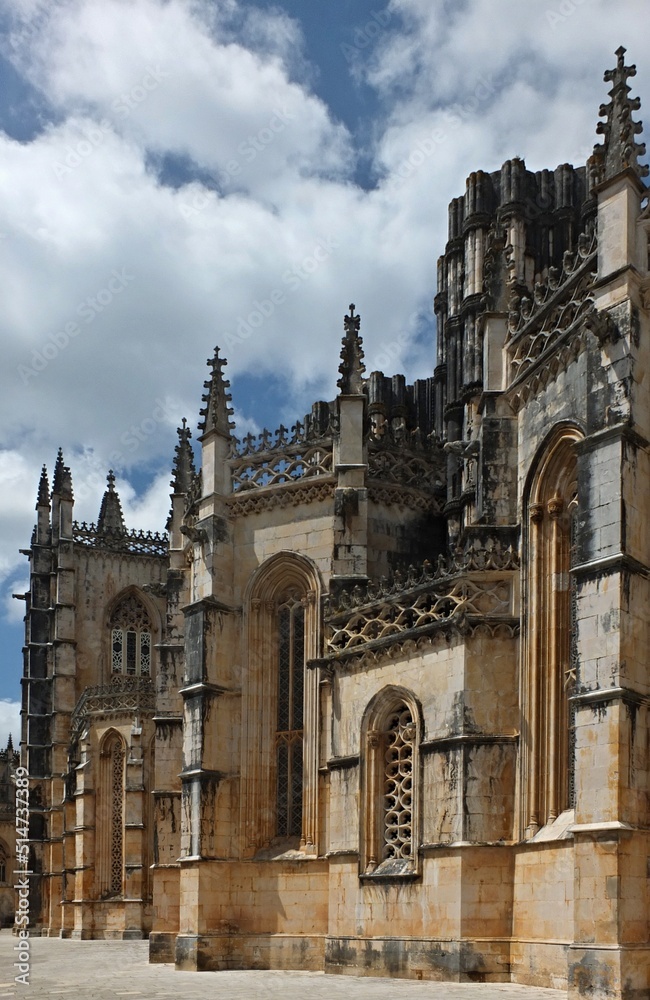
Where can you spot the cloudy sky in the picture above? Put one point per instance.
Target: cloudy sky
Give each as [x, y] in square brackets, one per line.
[178, 174]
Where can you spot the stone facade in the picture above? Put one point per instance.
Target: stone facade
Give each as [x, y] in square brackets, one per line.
[9, 761]
[377, 704]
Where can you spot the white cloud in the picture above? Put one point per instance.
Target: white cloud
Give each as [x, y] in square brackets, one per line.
[142, 280]
[15, 608]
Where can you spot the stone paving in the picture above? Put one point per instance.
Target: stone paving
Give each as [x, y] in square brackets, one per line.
[97, 970]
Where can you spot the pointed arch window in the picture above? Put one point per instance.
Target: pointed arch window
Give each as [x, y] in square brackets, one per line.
[549, 648]
[130, 639]
[3, 864]
[110, 832]
[289, 732]
[280, 707]
[390, 819]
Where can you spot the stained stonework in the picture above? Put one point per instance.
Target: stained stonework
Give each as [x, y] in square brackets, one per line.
[9, 761]
[377, 703]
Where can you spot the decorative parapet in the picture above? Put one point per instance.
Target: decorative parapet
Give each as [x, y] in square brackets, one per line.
[470, 584]
[123, 696]
[279, 457]
[546, 331]
[403, 456]
[476, 557]
[300, 492]
[404, 468]
[150, 543]
[273, 468]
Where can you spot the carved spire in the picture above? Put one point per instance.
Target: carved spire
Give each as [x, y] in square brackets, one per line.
[183, 471]
[66, 491]
[57, 484]
[62, 483]
[10, 745]
[619, 150]
[111, 518]
[43, 499]
[352, 366]
[216, 413]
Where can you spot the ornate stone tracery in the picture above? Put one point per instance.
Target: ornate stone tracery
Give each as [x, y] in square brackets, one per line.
[110, 817]
[289, 733]
[548, 330]
[130, 542]
[281, 467]
[117, 828]
[389, 818]
[130, 639]
[417, 610]
[398, 785]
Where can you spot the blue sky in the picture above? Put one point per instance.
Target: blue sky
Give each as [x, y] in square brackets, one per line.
[166, 166]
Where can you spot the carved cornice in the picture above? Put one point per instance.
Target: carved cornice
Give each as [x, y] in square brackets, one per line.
[391, 495]
[289, 495]
[341, 763]
[605, 696]
[402, 646]
[455, 741]
[551, 364]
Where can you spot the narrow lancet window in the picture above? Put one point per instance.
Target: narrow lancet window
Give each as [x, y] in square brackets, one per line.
[549, 661]
[398, 786]
[117, 819]
[289, 733]
[110, 817]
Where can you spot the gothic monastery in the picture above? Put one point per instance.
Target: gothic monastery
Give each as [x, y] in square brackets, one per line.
[377, 702]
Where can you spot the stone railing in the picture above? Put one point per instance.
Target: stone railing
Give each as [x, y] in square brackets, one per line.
[150, 543]
[275, 458]
[281, 466]
[557, 306]
[132, 695]
[464, 585]
[391, 618]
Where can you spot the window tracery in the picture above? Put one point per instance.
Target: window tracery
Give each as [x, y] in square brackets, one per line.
[289, 732]
[110, 817]
[131, 639]
[398, 785]
[117, 823]
[389, 821]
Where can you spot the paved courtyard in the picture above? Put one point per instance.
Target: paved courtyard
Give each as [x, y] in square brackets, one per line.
[95, 970]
